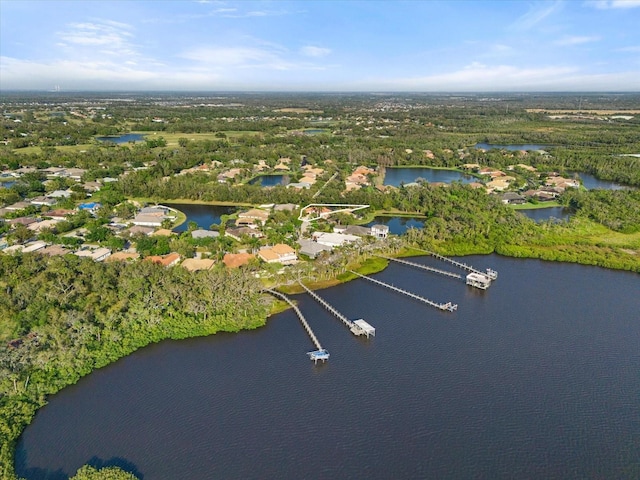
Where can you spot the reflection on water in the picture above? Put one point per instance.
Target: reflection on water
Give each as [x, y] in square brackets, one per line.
[535, 377]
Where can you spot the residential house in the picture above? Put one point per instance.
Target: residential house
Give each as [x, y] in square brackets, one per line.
[235, 260]
[123, 257]
[54, 250]
[334, 239]
[279, 253]
[168, 260]
[95, 254]
[312, 249]
[195, 264]
[59, 214]
[253, 217]
[513, 198]
[238, 233]
[380, 231]
[204, 234]
[44, 224]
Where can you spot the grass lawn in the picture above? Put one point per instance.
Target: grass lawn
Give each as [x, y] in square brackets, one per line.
[535, 206]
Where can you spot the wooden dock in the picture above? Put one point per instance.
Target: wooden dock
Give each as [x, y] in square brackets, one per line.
[423, 267]
[320, 353]
[492, 274]
[360, 328]
[442, 306]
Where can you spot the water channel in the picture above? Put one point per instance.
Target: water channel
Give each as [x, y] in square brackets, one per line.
[536, 377]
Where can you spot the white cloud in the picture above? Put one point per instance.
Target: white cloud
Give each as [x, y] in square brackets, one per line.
[316, 52]
[536, 14]
[610, 4]
[480, 77]
[115, 35]
[569, 40]
[235, 57]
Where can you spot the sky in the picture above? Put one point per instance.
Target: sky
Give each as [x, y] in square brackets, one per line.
[348, 45]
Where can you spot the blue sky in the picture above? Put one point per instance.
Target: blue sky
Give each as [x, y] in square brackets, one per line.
[570, 45]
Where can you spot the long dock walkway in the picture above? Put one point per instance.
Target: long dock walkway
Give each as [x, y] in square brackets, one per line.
[423, 267]
[355, 328]
[321, 353]
[442, 306]
[492, 274]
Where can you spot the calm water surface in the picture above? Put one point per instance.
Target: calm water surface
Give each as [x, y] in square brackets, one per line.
[542, 214]
[398, 225]
[126, 138]
[590, 182]
[270, 180]
[203, 215]
[524, 146]
[535, 378]
[397, 176]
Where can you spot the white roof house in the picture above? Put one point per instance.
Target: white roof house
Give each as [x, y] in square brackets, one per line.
[334, 239]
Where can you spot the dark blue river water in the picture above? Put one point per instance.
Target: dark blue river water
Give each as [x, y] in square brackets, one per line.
[535, 378]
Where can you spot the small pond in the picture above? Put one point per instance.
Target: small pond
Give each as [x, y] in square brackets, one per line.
[515, 147]
[398, 225]
[314, 131]
[397, 176]
[126, 138]
[203, 215]
[590, 182]
[8, 184]
[543, 214]
[270, 180]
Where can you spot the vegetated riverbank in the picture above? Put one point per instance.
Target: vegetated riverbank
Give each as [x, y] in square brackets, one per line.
[49, 356]
[103, 312]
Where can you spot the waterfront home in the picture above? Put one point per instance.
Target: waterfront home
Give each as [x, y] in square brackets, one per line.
[152, 216]
[513, 198]
[561, 182]
[279, 253]
[231, 174]
[358, 230]
[312, 249]
[380, 231]
[204, 234]
[359, 178]
[333, 239]
[148, 220]
[252, 217]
